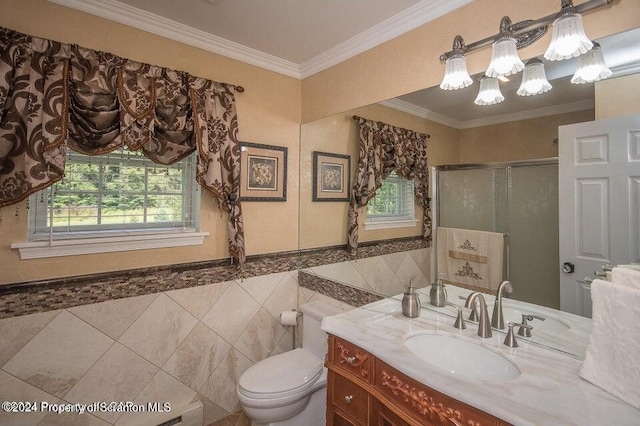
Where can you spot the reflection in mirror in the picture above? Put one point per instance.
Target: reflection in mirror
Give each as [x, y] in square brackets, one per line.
[518, 200]
[398, 254]
[519, 129]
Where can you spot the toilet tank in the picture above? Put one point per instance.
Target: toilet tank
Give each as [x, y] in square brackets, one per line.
[313, 338]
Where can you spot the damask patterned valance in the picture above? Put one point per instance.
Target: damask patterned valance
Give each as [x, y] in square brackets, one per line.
[56, 96]
[383, 149]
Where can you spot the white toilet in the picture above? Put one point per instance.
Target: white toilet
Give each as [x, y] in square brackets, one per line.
[289, 389]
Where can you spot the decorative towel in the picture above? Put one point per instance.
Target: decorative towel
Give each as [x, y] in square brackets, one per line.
[612, 359]
[469, 245]
[626, 276]
[472, 259]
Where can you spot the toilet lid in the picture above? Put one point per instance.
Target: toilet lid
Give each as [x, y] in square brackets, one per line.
[281, 374]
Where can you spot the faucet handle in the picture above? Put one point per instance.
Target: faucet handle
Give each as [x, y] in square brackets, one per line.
[459, 324]
[510, 340]
[531, 317]
[526, 332]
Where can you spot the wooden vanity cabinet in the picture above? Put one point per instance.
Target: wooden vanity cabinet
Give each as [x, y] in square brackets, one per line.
[363, 390]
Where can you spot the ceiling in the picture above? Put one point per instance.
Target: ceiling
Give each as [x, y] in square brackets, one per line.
[299, 38]
[294, 37]
[293, 30]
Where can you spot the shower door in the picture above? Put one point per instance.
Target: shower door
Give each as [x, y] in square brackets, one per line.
[517, 199]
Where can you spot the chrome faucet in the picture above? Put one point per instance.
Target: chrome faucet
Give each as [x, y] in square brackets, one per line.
[473, 316]
[484, 328]
[497, 318]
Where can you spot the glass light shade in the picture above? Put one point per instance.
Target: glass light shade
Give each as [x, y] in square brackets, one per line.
[568, 39]
[534, 79]
[456, 75]
[504, 58]
[489, 93]
[591, 67]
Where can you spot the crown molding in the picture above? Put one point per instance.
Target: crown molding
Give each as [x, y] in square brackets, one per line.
[528, 115]
[626, 69]
[419, 14]
[498, 119]
[158, 25]
[412, 109]
[413, 17]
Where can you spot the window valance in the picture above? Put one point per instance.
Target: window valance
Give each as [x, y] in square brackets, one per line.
[56, 96]
[383, 149]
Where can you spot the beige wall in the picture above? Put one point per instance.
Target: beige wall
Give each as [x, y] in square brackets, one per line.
[268, 112]
[411, 62]
[325, 223]
[618, 96]
[518, 140]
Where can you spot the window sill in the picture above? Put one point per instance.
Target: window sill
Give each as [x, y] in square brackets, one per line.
[390, 224]
[41, 249]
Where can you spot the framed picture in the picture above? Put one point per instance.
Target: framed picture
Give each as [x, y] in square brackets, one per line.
[263, 172]
[331, 176]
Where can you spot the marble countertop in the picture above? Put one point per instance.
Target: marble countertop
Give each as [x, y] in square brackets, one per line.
[573, 341]
[548, 391]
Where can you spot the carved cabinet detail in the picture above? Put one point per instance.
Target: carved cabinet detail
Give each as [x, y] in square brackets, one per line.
[353, 359]
[362, 390]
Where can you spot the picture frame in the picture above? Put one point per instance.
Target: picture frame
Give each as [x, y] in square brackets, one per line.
[263, 172]
[331, 176]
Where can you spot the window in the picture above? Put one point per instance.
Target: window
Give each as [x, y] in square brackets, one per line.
[122, 199]
[393, 205]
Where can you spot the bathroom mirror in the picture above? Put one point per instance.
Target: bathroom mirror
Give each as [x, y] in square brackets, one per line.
[519, 129]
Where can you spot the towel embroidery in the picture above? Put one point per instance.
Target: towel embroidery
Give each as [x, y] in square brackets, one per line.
[467, 246]
[467, 271]
[467, 256]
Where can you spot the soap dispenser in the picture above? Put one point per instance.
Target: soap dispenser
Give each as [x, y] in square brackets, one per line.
[438, 293]
[411, 302]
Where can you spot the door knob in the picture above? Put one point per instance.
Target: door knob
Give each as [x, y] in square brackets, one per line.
[568, 267]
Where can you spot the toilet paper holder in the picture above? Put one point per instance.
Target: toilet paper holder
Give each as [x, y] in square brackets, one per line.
[290, 319]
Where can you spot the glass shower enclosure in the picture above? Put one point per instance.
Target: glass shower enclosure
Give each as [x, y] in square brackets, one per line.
[519, 199]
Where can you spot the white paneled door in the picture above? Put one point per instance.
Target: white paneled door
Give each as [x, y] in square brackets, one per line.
[599, 173]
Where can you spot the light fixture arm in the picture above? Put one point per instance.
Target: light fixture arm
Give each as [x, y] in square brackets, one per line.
[505, 25]
[458, 43]
[525, 27]
[458, 47]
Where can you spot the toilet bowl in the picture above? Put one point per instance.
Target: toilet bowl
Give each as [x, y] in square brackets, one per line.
[289, 389]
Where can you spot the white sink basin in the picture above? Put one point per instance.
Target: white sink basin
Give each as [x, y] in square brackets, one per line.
[461, 358]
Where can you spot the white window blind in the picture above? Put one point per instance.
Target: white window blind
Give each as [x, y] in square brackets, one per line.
[394, 201]
[120, 193]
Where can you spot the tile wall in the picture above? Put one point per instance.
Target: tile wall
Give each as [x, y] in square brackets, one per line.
[174, 346]
[174, 339]
[387, 275]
